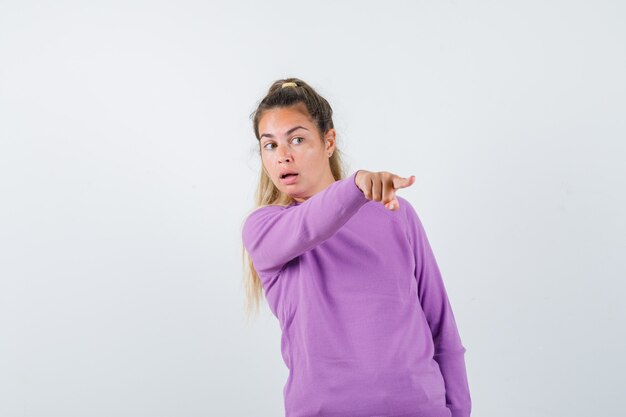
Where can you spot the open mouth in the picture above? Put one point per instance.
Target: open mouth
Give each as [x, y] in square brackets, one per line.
[287, 176]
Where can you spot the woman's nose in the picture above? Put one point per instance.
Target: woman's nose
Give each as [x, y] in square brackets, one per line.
[284, 154]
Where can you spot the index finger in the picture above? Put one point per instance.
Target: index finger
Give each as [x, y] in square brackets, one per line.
[401, 182]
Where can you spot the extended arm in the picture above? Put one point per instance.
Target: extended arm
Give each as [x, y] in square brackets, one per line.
[274, 235]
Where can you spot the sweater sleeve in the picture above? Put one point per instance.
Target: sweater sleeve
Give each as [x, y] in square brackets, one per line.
[449, 350]
[273, 235]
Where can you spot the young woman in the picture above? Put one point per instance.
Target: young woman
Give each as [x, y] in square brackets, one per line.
[347, 269]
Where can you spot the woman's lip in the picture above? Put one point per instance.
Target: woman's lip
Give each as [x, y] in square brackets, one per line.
[289, 180]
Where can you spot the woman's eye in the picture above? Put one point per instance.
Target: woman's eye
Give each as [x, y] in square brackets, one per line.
[270, 143]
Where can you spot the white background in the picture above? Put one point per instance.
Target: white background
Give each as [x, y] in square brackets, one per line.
[128, 161]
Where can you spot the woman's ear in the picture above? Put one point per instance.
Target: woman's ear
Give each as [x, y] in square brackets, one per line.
[329, 141]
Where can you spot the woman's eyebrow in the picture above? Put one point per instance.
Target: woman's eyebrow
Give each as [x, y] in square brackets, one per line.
[288, 132]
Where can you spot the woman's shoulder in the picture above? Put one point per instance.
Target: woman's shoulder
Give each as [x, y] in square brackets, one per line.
[405, 206]
[375, 208]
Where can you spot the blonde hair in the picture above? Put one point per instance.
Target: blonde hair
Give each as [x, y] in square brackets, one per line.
[280, 94]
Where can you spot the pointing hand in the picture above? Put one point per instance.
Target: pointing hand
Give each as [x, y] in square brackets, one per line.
[381, 186]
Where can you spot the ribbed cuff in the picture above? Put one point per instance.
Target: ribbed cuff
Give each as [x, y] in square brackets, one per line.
[456, 412]
[350, 194]
[352, 179]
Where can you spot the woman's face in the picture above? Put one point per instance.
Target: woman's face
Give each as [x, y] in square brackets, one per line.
[290, 142]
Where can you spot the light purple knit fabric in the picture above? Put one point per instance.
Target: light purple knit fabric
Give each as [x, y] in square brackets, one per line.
[367, 327]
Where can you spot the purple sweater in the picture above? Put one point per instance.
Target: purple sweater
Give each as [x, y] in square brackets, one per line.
[367, 327]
